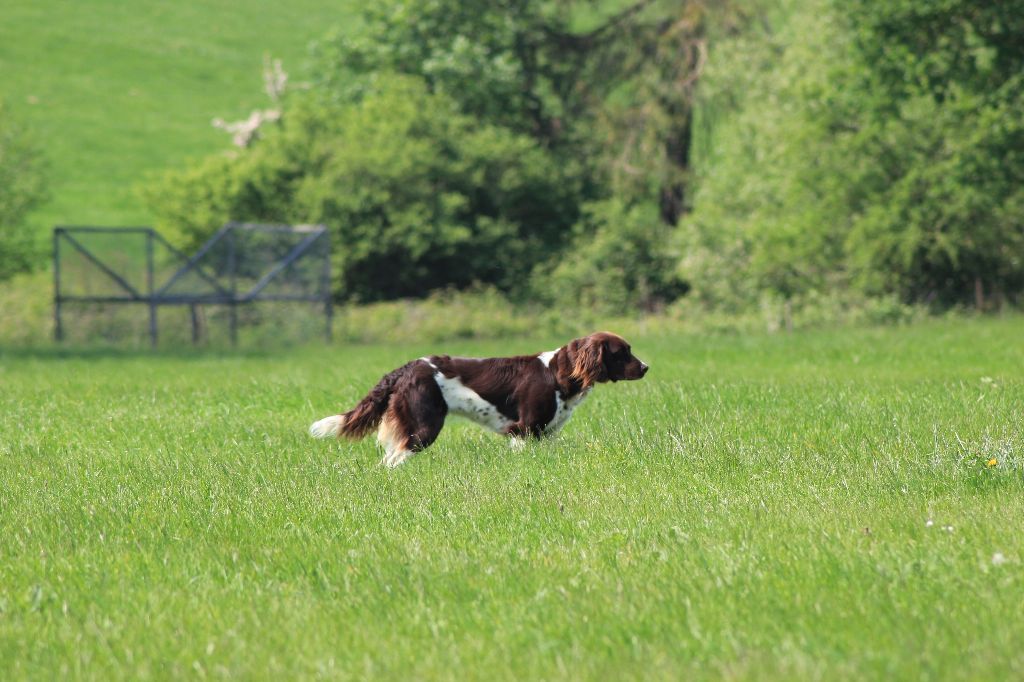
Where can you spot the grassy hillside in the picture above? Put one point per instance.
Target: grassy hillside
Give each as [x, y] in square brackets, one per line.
[117, 89]
[829, 505]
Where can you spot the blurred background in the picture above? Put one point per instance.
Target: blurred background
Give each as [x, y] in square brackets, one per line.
[529, 166]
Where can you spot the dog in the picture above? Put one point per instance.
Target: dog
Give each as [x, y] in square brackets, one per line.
[520, 397]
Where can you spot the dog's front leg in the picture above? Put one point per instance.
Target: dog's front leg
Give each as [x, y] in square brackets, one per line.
[520, 431]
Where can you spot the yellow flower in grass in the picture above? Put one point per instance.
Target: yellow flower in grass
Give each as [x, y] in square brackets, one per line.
[991, 463]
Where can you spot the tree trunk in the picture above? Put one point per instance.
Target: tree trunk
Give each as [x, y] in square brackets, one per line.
[677, 150]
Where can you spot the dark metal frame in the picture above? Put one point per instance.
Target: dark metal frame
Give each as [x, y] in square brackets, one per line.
[157, 296]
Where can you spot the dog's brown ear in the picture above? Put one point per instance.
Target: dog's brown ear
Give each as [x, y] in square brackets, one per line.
[588, 366]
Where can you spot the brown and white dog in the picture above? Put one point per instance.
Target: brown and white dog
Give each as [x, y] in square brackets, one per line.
[526, 395]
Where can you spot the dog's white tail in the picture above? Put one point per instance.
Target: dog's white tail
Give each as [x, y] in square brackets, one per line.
[327, 427]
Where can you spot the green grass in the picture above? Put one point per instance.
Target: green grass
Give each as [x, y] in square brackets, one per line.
[115, 90]
[756, 508]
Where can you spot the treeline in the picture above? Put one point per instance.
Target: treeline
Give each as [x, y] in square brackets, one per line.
[869, 146]
[572, 154]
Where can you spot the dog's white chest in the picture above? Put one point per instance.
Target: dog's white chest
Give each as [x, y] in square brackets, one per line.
[467, 403]
[563, 410]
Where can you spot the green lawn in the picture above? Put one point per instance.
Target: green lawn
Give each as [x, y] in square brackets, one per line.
[813, 506]
[116, 90]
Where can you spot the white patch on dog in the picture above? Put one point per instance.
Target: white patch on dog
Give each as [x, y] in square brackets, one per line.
[465, 402]
[547, 355]
[327, 427]
[563, 410]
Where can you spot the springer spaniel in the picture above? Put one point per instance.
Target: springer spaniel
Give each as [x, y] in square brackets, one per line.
[527, 395]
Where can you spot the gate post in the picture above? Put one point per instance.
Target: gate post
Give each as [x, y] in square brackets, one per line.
[195, 324]
[58, 326]
[328, 302]
[149, 289]
[233, 269]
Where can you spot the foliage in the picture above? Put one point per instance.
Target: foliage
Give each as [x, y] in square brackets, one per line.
[864, 145]
[534, 146]
[620, 262]
[563, 72]
[418, 195]
[496, 60]
[21, 189]
[943, 213]
[449, 143]
[761, 222]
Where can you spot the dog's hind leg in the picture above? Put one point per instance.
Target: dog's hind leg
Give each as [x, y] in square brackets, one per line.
[393, 438]
[412, 422]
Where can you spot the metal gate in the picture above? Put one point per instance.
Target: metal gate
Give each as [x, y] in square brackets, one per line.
[241, 264]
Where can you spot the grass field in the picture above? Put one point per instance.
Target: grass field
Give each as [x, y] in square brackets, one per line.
[116, 90]
[815, 506]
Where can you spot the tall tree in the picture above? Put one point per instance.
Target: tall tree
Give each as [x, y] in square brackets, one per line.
[865, 145]
[443, 129]
[615, 89]
[942, 214]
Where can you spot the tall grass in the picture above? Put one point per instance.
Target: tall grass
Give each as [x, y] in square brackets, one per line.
[820, 505]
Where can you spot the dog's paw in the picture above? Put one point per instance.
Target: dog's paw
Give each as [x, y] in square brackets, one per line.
[397, 458]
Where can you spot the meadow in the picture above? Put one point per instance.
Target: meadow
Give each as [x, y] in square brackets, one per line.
[116, 92]
[839, 504]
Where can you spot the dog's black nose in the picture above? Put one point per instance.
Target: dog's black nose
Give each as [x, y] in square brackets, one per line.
[643, 368]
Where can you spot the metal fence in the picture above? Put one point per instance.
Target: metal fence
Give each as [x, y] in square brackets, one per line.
[241, 264]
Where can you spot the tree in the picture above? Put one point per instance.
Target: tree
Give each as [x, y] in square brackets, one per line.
[620, 263]
[873, 146]
[450, 142]
[418, 195]
[942, 217]
[612, 90]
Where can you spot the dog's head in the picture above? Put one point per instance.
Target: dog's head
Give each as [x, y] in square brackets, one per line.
[604, 357]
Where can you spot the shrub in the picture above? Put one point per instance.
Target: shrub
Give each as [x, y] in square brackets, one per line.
[620, 261]
[21, 189]
[417, 196]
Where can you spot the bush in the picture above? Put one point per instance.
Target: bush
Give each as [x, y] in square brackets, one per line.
[21, 189]
[417, 196]
[620, 262]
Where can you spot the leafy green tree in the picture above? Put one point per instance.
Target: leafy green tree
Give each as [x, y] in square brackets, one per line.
[418, 195]
[943, 114]
[873, 146]
[611, 89]
[770, 213]
[21, 189]
[450, 142]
